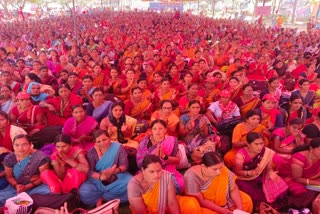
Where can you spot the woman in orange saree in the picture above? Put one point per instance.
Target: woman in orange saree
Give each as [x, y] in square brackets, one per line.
[154, 193]
[138, 107]
[165, 92]
[213, 185]
[251, 124]
[247, 100]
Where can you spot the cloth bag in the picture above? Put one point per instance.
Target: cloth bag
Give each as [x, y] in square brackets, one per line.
[20, 204]
[273, 188]
[111, 207]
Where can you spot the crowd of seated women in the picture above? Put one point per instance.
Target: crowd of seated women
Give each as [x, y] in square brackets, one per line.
[168, 121]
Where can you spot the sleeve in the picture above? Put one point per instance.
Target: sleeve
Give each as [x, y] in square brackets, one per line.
[175, 149]
[237, 112]
[237, 133]
[123, 157]
[91, 157]
[134, 188]
[89, 109]
[191, 184]
[279, 121]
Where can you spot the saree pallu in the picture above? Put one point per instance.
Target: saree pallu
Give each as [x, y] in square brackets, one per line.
[10, 133]
[91, 190]
[172, 122]
[167, 146]
[310, 171]
[73, 177]
[218, 189]
[138, 110]
[245, 107]
[155, 199]
[101, 111]
[253, 185]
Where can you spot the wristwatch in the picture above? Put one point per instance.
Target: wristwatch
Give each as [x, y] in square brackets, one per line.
[165, 157]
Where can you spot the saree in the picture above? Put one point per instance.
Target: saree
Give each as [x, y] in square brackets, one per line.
[189, 138]
[24, 173]
[217, 190]
[63, 112]
[240, 135]
[270, 116]
[40, 97]
[27, 118]
[140, 110]
[282, 161]
[244, 107]
[170, 148]
[99, 80]
[155, 199]
[6, 141]
[84, 128]
[91, 190]
[172, 122]
[253, 185]
[7, 105]
[300, 196]
[99, 112]
[73, 177]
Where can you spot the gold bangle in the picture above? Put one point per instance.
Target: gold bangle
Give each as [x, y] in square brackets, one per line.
[308, 181]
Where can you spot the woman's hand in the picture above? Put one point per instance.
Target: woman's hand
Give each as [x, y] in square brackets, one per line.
[124, 127]
[108, 172]
[20, 188]
[63, 209]
[273, 175]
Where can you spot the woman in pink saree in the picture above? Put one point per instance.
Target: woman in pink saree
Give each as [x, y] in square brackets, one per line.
[70, 167]
[165, 147]
[80, 127]
[305, 180]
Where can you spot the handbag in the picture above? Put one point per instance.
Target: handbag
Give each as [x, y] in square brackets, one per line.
[273, 188]
[227, 124]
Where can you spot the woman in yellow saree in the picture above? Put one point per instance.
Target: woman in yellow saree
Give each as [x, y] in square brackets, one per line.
[153, 192]
[214, 186]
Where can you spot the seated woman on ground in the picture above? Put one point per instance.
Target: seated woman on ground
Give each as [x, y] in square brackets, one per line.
[305, 181]
[285, 140]
[23, 168]
[119, 126]
[80, 127]
[166, 147]
[250, 124]
[26, 115]
[153, 191]
[70, 167]
[108, 178]
[213, 185]
[293, 109]
[253, 167]
[7, 98]
[136, 106]
[196, 131]
[99, 108]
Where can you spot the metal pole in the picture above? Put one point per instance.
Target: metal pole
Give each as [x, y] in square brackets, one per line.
[74, 20]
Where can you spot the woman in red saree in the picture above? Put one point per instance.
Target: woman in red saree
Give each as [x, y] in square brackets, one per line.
[59, 108]
[127, 84]
[234, 87]
[180, 62]
[305, 169]
[138, 107]
[26, 115]
[114, 82]
[8, 131]
[191, 95]
[271, 117]
[70, 167]
[73, 82]
[165, 92]
[99, 78]
[182, 87]
[174, 76]
[293, 109]
[247, 100]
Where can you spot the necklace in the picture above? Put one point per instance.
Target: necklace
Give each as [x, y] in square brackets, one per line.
[63, 106]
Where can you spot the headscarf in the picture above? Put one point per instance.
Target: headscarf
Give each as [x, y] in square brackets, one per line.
[40, 97]
[114, 122]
